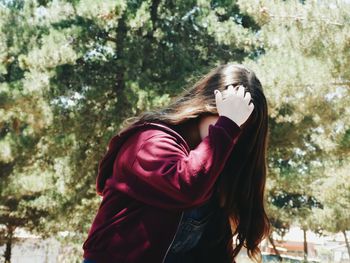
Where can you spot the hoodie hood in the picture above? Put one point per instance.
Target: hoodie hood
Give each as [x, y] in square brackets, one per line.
[105, 167]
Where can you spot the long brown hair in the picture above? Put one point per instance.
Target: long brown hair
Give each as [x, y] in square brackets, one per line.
[242, 181]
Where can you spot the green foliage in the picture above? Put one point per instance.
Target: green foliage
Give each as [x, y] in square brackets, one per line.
[335, 215]
[304, 70]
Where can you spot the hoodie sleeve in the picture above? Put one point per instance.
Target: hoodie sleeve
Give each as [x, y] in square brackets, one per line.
[166, 176]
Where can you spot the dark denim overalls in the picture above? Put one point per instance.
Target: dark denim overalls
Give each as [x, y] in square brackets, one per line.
[190, 230]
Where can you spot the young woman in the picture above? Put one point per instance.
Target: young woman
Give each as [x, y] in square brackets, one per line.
[185, 183]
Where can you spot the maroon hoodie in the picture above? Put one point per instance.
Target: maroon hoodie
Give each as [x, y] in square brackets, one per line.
[147, 178]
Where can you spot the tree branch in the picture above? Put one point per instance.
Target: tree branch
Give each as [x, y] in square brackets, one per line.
[154, 13]
[298, 18]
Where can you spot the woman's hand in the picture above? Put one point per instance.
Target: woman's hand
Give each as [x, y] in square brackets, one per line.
[236, 105]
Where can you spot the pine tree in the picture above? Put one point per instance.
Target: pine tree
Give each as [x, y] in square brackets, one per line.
[72, 71]
[81, 68]
[305, 72]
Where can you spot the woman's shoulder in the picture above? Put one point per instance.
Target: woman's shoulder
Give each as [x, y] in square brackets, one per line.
[152, 131]
[123, 147]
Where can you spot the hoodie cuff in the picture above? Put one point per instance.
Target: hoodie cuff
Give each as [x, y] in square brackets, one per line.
[229, 125]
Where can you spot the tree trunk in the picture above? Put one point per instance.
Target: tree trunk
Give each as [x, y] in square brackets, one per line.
[275, 249]
[124, 106]
[305, 245]
[121, 35]
[346, 242]
[154, 13]
[9, 239]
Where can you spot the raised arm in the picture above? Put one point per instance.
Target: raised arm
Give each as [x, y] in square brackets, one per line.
[166, 176]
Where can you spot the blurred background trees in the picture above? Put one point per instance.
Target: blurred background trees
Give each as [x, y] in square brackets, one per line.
[72, 71]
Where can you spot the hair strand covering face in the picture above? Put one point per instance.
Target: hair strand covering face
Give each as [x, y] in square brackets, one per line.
[242, 182]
